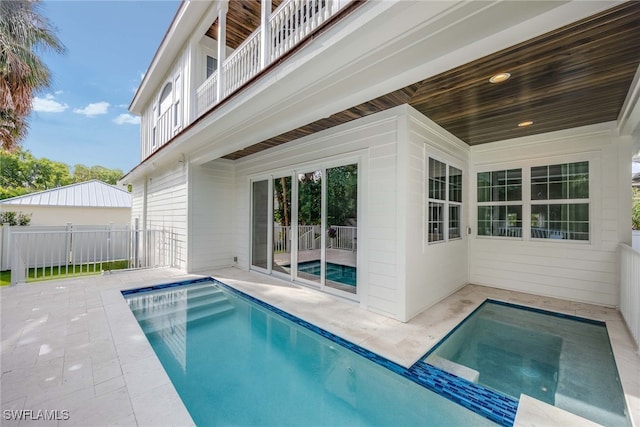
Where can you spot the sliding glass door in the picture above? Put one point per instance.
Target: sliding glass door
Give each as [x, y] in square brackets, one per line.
[342, 228]
[259, 224]
[305, 226]
[281, 220]
[310, 226]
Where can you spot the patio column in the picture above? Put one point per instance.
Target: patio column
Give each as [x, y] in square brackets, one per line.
[265, 31]
[222, 46]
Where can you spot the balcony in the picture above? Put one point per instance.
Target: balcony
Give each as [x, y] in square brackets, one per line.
[290, 23]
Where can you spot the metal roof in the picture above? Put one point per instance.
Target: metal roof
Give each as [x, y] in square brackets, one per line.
[94, 193]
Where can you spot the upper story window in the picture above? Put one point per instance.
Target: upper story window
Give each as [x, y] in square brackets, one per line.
[165, 99]
[212, 65]
[444, 202]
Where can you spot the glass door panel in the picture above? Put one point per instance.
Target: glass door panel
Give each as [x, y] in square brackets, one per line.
[342, 228]
[282, 225]
[260, 224]
[309, 225]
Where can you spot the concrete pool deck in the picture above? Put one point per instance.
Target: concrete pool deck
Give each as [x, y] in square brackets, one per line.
[73, 345]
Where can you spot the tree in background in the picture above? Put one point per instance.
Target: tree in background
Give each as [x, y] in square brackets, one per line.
[23, 33]
[22, 173]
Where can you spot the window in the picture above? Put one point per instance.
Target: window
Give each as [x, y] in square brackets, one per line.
[560, 201]
[558, 204]
[212, 65]
[444, 202]
[500, 203]
[176, 102]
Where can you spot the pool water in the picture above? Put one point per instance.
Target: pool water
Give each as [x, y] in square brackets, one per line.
[563, 361]
[335, 272]
[235, 362]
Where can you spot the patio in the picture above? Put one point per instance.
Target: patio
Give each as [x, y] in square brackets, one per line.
[73, 345]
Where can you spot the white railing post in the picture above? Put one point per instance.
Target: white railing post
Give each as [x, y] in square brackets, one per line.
[222, 47]
[265, 29]
[18, 273]
[5, 252]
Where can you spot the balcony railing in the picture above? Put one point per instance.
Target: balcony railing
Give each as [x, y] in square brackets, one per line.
[289, 24]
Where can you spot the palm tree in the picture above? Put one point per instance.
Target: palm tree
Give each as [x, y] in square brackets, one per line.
[23, 33]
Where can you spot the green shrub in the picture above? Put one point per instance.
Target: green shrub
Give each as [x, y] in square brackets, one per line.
[15, 218]
[635, 210]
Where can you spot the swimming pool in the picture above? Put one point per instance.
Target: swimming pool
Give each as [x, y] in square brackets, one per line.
[564, 361]
[336, 272]
[237, 361]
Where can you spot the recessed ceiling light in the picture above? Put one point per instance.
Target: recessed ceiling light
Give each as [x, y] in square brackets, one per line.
[525, 123]
[499, 78]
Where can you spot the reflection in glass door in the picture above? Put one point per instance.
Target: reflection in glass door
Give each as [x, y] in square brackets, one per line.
[259, 223]
[282, 225]
[342, 228]
[309, 225]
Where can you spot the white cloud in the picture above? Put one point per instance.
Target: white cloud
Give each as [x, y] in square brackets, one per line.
[127, 119]
[94, 109]
[48, 104]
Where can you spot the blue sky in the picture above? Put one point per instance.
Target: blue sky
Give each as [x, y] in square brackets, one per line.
[83, 118]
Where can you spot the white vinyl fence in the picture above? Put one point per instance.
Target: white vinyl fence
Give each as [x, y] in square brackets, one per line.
[38, 252]
[630, 289]
[309, 238]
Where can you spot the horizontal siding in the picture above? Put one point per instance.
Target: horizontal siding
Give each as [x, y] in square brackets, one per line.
[585, 272]
[212, 222]
[137, 202]
[167, 207]
[437, 270]
[373, 139]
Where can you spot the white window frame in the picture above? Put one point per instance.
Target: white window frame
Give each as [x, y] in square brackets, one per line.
[445, 203]
[502, 203]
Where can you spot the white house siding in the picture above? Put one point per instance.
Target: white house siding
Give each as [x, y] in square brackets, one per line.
[373, 141]
[211, 219]
[167, 206]
[137, 204]
[571, 270]
[436, 270]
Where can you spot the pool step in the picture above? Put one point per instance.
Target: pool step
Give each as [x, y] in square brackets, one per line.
[205, 302]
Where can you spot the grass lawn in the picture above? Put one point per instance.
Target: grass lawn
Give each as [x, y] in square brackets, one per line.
[48, 273]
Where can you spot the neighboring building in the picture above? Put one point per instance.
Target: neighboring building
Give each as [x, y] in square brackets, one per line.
[86, 203]
[359, 147]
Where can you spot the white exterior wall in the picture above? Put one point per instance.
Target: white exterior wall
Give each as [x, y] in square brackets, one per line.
[433, 270]
[211, 218]
[373, 142]
[61, 215]
[167, 206]
[580, 271]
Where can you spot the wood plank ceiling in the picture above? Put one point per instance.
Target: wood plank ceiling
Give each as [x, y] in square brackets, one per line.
[574, 76]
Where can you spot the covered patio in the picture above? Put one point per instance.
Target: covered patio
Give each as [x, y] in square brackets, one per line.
[73, 345]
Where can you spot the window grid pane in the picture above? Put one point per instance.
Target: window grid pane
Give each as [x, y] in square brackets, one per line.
[500, 186]
[455, 184]
[454, 222]
[437, 180]
[500, 220]
[561, 181]
[436, 222]
[567, 221]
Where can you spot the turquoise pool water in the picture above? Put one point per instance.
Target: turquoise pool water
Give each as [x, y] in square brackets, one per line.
[562, 361]
[234, 362]
[336, 272]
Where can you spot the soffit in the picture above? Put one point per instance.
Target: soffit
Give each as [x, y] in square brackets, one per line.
[574, 76]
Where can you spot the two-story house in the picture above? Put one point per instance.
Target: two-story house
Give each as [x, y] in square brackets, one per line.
[391, 152]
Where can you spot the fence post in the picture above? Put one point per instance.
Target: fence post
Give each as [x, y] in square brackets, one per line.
[136, 244]
[4, 246]
[68, 249]
[18, 274]
[110, 256]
